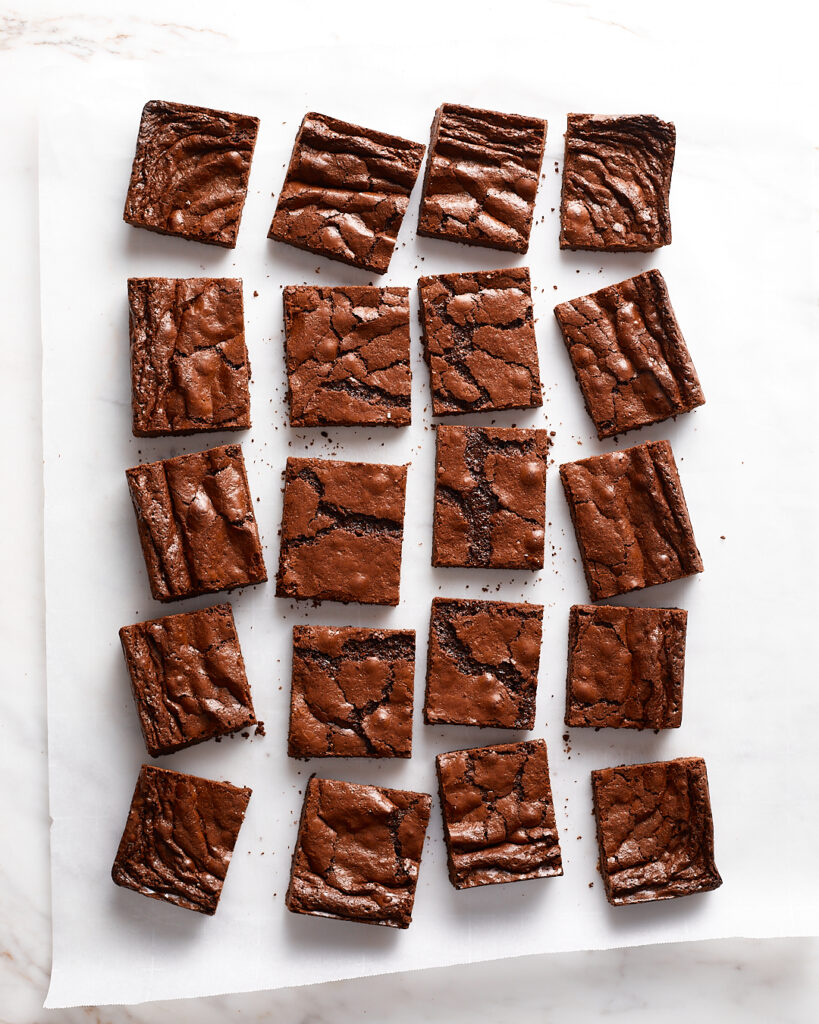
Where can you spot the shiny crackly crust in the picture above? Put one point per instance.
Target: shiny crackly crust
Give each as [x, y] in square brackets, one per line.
[348, 356]
[358, 853]
[482, 176]
[179, 838]
[482, 663]
[629, 355]
[188, 678]
[351, 692]
[342, 531]
[630, 519]
[346, 192]
[189, 365]
[196, 523]
[479, 341]
[499, 819]
[190, 172]
[655, 831]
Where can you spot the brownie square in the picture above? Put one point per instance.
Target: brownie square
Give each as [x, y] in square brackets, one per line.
[482, 663]
[655, 830]
[342, 530]
[346, 192]
[196, 524]
[358, 853]
[479, 341]
[616, 179]
[490, 497]
[351, 692]
[188, 678]
[499, 817]
[348, 356]
[630, 519]
[189, 366]
[482, 176]
[625, 667]
[190, 172]
[179, 838]
[629, 356]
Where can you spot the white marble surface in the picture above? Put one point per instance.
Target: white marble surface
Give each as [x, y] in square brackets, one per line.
[728, 980]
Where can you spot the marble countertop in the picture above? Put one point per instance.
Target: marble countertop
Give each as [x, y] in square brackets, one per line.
[726, 980]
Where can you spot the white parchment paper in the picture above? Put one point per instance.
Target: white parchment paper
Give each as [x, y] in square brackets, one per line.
[739, 277]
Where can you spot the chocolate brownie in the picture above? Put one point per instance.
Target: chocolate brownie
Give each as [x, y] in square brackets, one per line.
[190, 172]
[655, 830]
[482, 663]
[179, 838]
[625, 667]
[629, 356]
[342, 529]
[482, 176]
[346, 192]
[630, 519]
[490, 497]
[351, 692]
[348, 356]
[358, 853]
[188, 678]
[499, 817]
[616, 179]
[479, 341]
[189, 366]
[196, 523]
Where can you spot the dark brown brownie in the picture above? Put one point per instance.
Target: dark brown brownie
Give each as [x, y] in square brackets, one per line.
[351, 692]
[196, 523]
[190, 172]
[482, 176]
[358, 853]
[179, 838]
[189, 366]
[342, 529]
[482, 663]
[625, 667]
[629, 356]
[348, 356]
[655, 830]
[346, 192]
[499, 817]
[479, 341]
[490, 497]
[188, 678]
[616, 179]
[630, 519]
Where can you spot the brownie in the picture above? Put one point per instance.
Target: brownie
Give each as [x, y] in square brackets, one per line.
[616, 179]
[342, 529]
[655, 830]
[188, 678]
[348, 356]
[196, 523]
[358, 853]
[625, 667]
[482, 175]
[490, 497]
[346, 192]
[482, 663]
[179, 838]
[479, 341]
[190, 172]
[499, 817]
[189, 366]
[630, 519]
[351, 692]
[629, 355]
